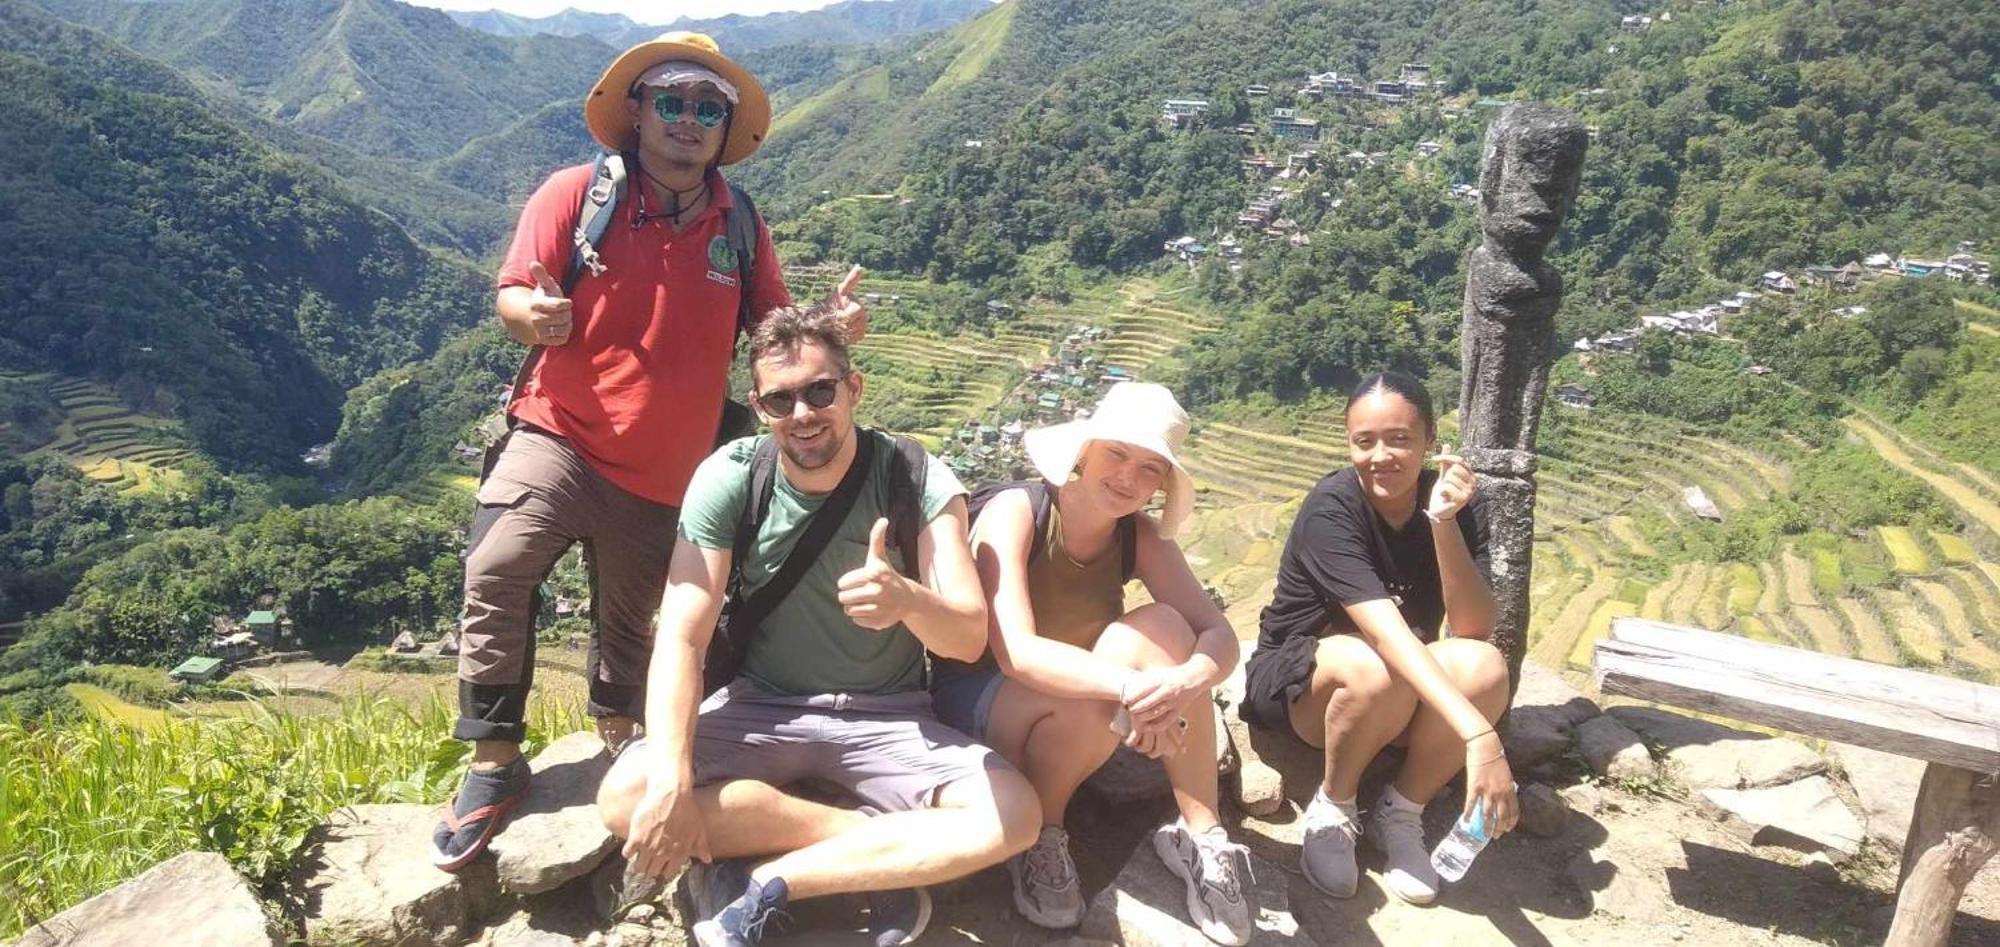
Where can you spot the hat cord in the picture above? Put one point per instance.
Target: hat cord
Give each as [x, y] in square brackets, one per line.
[675, 208]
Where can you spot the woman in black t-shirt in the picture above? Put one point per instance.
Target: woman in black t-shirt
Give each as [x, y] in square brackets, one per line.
[1352, 657]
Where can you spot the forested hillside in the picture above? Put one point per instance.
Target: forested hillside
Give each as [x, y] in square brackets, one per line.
[845, 23]
[192, 269]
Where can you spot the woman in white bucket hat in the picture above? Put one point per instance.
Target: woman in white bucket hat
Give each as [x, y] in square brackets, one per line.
[1071, 672]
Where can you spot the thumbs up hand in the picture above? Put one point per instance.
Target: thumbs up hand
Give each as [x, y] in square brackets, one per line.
[848, 306]
[549, 310]
[875, 595]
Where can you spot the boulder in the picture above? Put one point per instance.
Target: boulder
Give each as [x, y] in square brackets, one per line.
[191, 898]
[1711, 756]
[1128, 776]
[1260, 788]
[1146, 906]
[520, 931]
[1542, 810]
[1532, 735]
[367, 879]
[1805, 815]
[555, 835]
[1612, 749]
[1887, 785]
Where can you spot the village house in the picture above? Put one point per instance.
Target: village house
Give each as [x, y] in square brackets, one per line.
[1180, 114]
[1390, 91]
[1256, 89]
[197, 670]
[1575, 396]
[1428, 148]
[1777, 282]
[1293, 128]
[1918, 268]
[1635, 23]
[1879, 261]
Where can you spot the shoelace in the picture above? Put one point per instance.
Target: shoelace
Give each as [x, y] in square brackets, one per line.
[1218, 865]
[1327, 818]
[762, 915]
[1049, 865]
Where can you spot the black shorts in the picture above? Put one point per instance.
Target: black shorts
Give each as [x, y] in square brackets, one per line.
[1274, 679]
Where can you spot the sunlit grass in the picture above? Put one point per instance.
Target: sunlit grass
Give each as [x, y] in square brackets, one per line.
[86, 805]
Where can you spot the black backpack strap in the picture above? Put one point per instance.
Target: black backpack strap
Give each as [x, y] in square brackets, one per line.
[908, 476]
[819, 530]
[763, 471]
[739, 225]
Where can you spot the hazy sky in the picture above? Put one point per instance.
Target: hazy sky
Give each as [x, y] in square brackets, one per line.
[644, 11]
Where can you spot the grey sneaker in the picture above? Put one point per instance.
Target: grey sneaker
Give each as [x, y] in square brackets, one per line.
[1046, 890]
[1213, 869]
[1327, 854]
[1399, 833]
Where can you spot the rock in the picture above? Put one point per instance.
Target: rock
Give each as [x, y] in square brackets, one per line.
[555, 835]
[1542, 810]
[368, 879]
[1532, 735]
[1615, 890]
[191, 898]
[1129, 776]
[1711, 756]
[1612, 749]
[1805, 815]
[520, 931]
[1586, 798]
[1887, 785]
[1146, 906]
[1821, 868]
[1260, 787]
[642, 913]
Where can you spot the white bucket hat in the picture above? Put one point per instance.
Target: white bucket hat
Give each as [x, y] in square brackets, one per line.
[1137, 413]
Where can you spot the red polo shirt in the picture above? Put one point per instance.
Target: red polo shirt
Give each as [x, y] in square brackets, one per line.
[638, 387]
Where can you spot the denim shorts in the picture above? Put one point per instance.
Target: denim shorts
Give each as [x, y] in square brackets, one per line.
[963, 700]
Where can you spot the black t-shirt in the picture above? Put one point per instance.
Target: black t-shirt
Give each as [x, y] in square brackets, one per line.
[1340, 552]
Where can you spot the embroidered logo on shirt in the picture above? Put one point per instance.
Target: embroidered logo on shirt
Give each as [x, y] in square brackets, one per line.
[720, 256]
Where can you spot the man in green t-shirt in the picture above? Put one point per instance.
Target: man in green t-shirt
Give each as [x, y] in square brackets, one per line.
[832, 685]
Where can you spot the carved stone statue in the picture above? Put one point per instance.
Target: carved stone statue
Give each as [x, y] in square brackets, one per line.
[1527, 182]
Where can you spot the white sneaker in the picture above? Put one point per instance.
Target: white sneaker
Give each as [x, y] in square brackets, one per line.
[1046, 890]
[1327, 854]
[1209, 864]
[1399, 833]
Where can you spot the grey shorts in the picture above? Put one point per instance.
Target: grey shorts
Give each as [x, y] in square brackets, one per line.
[887, 751]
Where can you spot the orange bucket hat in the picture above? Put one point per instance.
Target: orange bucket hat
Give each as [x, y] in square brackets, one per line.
[605, 114]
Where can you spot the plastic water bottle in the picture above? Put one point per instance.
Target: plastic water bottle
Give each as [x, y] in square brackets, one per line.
[1455, 852]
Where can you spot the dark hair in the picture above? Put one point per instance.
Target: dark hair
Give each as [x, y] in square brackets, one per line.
[1396, 383]
[784, 330]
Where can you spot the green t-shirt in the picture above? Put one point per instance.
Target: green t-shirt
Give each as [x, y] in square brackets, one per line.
[808, 645]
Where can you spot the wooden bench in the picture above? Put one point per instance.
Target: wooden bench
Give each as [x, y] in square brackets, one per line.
[1952, 725]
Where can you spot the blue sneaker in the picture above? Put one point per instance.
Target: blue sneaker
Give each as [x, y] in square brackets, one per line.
[713, 886]
[898, 917]
[741, 922]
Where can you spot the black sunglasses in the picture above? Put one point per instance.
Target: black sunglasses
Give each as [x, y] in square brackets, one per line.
[779, 402]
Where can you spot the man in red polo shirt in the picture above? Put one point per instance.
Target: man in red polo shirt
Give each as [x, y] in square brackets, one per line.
[621, 401]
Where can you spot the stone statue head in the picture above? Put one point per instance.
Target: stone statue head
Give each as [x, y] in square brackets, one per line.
[1528, 177]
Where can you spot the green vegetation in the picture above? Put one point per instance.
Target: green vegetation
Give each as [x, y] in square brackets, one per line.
[87, 804]
[220, 283]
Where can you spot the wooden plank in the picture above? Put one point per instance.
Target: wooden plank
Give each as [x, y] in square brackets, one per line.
[1909, 713]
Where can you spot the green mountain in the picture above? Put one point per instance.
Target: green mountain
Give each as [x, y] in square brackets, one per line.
[383, 78]
[847, 23]
[197, 272]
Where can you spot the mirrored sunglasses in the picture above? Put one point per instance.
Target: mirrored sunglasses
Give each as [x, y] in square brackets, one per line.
[708, 113]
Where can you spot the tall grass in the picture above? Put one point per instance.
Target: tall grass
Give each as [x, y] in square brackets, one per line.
[85, 805]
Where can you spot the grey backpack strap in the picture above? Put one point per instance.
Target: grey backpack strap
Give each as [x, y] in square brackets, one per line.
[594, 216]
[740, 226]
